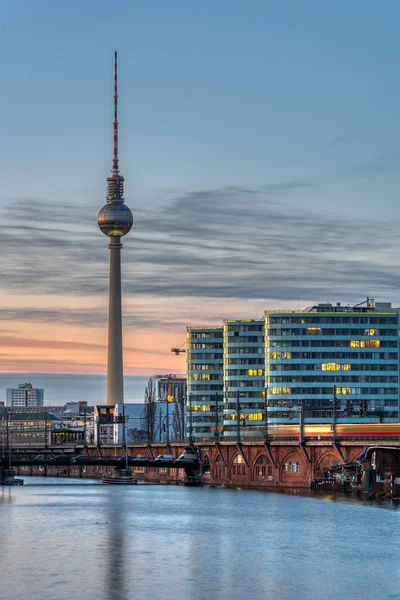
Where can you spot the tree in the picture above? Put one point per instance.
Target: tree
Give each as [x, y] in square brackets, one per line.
[178, 420]
[150, 407]
[136, 436]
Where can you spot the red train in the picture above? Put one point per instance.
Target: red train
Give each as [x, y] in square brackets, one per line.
[343, 430]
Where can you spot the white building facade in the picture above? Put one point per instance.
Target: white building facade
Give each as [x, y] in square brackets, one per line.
[24, 395]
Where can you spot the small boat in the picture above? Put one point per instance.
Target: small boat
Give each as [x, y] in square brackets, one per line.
[121, 477]
[10, 479]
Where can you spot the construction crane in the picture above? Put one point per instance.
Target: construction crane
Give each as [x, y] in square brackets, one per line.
[177, 351]
[370, 303]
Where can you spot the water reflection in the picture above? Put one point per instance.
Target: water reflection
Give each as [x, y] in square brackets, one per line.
[114, 517]
[5, 494]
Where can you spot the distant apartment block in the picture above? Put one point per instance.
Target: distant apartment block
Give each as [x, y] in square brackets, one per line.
[244, 386]
[205, 381]
[327, 361]
[24, 395]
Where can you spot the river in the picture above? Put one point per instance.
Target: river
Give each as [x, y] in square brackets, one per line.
[87, 541]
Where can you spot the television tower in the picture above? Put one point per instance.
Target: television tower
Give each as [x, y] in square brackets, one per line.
[115, 220]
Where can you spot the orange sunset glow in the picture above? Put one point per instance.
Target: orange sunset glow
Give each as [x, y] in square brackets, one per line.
[29, 345]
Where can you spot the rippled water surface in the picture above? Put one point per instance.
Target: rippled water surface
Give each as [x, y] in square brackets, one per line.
[84, 540]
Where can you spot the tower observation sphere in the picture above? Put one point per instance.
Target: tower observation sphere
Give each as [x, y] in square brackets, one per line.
[115, 219]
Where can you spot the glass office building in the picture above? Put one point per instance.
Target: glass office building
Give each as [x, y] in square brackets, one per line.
[243, 379]
[325, 362]
[205, 384]
[333, 354]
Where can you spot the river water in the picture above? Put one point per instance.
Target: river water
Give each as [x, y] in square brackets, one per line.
[88, 541]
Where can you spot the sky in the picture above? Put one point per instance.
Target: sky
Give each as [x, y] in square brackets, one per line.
[259, 142]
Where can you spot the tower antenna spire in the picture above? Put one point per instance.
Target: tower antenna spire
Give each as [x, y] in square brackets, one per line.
[115, 167]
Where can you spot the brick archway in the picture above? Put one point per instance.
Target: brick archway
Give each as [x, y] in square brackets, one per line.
[327, 459]
[263, 470]
[294, 470]
[239, 469]
[354, 454]
[219, 470]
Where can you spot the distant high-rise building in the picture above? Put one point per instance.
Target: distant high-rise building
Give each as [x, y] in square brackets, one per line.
[170, 387]
[24, 395]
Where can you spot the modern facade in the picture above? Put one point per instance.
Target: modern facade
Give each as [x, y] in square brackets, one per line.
[24, 395]
[244, 381]
[205, 382]
[115, 220]
[165, 427]
[72, 423]
[23, 426]
[332, 355]
[327, 363]
[132, 423]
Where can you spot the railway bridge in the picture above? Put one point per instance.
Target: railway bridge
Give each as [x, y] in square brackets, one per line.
[280, 461]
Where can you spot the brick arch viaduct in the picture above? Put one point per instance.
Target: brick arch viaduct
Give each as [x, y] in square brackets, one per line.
[254, 464]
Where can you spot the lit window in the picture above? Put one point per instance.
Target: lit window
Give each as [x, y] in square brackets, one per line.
[314, 331]
[372, 343]
[346, 367]
[280, 390]
[252, 372]
[214, 428]
[343, 390]
[371, 332]
[260, 372]
[330, 367]
[293, 467]
[206, 376]
[287, 355]
[357, 344]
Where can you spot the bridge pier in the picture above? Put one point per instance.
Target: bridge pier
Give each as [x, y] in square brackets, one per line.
[192, 476]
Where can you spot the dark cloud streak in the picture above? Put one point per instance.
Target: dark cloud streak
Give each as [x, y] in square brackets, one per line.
[230, 242]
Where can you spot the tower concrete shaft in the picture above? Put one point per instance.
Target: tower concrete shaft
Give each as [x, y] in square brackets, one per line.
[115, 370]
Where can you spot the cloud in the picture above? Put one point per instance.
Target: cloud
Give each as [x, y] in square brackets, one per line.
[229, 242]
[336, 140]
[388, 163]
